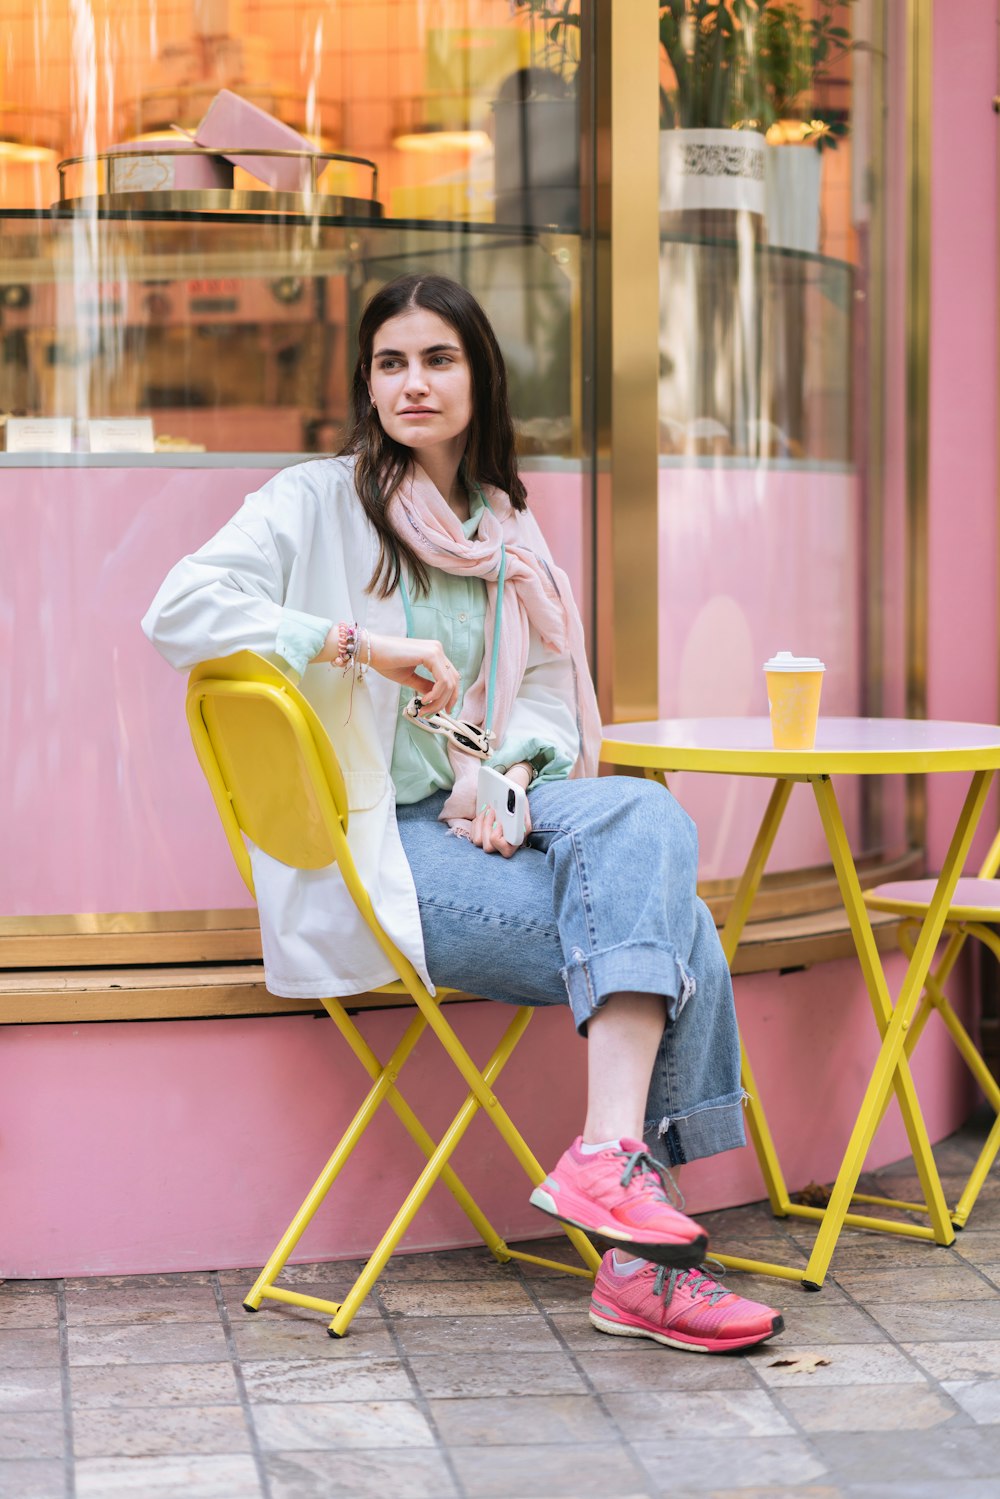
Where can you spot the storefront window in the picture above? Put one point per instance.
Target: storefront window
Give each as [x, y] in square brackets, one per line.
[163, 311]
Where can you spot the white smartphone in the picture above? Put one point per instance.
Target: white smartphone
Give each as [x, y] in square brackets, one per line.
[508, 800]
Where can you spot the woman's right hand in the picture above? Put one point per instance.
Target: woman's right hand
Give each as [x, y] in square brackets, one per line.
[397, 657]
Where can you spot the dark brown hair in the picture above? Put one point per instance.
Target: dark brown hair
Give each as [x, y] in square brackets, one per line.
[382, 463]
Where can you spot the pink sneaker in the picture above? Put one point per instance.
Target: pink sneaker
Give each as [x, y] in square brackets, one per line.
[682, 1308]
[621, 1194]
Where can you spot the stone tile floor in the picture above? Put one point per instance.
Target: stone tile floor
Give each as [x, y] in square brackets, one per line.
[465, 1378]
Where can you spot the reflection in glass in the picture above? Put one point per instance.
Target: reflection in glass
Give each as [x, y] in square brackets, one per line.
[770, 359]
[152, 294]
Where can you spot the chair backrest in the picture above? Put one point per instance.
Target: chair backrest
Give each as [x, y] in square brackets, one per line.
[274, 776]
[269, 763]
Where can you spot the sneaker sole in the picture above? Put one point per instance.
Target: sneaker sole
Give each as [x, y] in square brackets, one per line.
[689, 1345]
[675, 1256]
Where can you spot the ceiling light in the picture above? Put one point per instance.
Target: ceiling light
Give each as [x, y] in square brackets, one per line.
[442, 140]
[23, 152]
[28, 134]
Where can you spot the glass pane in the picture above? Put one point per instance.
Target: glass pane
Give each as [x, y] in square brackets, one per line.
[458, 112]
[238, 334]
[771, 385]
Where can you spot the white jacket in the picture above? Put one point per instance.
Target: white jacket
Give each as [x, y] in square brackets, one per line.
[304, 543]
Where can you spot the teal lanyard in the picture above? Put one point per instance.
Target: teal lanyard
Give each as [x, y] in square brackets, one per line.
[495, 654]
[491, 685]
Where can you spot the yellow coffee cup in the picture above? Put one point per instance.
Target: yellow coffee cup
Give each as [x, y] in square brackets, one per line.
[794, 684]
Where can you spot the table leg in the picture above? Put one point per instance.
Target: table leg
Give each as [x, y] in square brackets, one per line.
[760, 1134]
[891, 1068]
[732, 930]
[743, 898]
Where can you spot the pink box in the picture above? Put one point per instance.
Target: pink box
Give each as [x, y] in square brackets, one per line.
[158, 166]
[230, 121]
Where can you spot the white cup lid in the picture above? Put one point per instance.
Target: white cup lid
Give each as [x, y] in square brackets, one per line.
[785, 661]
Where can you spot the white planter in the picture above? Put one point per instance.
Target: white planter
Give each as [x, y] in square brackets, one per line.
[793, 176]
[712, 169]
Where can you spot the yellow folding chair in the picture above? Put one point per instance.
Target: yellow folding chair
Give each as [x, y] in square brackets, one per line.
[275, 777]
[974, 911]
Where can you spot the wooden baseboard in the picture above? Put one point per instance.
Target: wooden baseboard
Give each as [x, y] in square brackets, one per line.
[52, 996]
[202, 992]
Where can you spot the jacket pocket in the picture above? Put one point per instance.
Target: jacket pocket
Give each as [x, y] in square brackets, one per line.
[365, 788]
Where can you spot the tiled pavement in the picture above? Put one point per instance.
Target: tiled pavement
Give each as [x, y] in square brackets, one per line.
[462, 1377]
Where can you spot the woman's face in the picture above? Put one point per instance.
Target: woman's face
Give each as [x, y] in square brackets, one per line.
[420, 380]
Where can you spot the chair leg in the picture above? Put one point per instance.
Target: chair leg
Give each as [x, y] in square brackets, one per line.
[972, 1058]
[369, 1061]
[977, 1177]
[334, 1165]
[418, 1192]
[384, 1089]
[494, 1242]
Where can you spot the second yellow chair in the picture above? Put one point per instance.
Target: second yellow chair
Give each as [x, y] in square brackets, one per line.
[974, 912]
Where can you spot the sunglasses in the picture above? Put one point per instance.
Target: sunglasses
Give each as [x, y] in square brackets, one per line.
[464, 736]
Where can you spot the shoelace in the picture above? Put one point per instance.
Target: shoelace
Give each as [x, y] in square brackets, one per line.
[700, 1283]
[668, 1191]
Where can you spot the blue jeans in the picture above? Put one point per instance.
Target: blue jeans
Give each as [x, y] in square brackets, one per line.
[601, 901]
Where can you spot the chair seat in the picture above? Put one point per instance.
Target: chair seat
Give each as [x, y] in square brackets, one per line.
[974, 900]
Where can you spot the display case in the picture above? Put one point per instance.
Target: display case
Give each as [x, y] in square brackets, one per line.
[236, 332]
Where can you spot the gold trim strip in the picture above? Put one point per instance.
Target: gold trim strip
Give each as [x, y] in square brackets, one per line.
[626, 363]
[919, 40]
[90, 940]
[873, 705]
[225, 200]
[102, 923]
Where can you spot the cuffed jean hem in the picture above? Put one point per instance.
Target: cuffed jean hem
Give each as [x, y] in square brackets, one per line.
[628, 967]
[710, 1128]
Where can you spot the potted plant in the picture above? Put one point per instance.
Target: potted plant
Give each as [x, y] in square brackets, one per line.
[794, 53]
[537, 123]
[711, 151]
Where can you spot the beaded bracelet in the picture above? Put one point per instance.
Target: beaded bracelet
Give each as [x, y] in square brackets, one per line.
[351, 640]
[347, 645]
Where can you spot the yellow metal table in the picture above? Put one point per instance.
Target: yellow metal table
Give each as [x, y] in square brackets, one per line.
[844, 746]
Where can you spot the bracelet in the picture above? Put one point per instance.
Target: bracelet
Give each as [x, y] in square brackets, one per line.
[532, 772]
[347, 645]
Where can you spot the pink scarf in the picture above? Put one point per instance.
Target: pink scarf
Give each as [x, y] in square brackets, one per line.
[537, 595]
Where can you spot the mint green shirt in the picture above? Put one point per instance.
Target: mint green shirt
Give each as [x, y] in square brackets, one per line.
[453, 611]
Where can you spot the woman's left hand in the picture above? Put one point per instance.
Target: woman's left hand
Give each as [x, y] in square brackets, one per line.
[486, 826]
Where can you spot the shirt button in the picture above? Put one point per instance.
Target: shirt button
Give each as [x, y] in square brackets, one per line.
[462, 618]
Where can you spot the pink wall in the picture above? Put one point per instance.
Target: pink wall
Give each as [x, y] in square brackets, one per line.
[104, 1127]
[110, 811]
[963, 667]
[189, 1144]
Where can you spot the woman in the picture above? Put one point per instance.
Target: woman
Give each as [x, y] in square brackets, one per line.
[409, 566]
